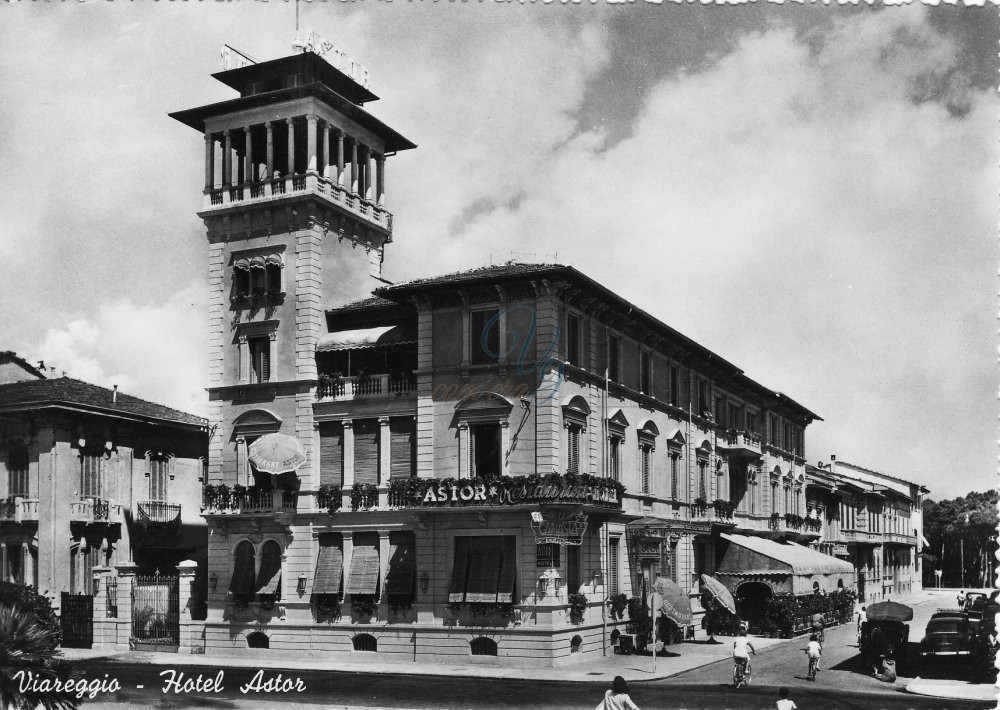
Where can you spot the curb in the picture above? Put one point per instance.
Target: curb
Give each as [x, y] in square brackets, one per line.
[982, 692]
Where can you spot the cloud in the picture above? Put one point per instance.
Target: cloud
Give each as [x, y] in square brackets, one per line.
[156, 351]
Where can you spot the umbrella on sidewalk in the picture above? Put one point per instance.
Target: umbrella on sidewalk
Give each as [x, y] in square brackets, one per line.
[889, 611]
[717, 590]
[676, 605]
[276, 454]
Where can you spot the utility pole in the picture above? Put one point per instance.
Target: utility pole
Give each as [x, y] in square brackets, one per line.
[961, 549]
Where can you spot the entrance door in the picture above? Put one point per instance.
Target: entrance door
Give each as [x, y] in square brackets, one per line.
[155, 613]
[76, 617]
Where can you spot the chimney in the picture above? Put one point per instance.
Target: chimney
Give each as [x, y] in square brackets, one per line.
[41, 365]
[114, 394]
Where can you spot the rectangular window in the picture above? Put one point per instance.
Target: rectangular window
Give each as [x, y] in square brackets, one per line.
[644, 453]
[484, 569]
[402, 447]
[329, 576]
[614, 355]
[613, 565]
[15, 564]
[646, 379]
[735, 416]
[675, 481]
[366, 450]
[400, 579]
[675, 564]
[331, 454]
[614, 458]
[573, 449]
[675, 394]
[159, 472]
[573, 340]
[484, 442]
[751, 422]
[17, 471]
[704, 405]
[363, 576]
[547, 555]
[775, 433]
[91, 474]
[260, 359]
[703, 480]
[483, 350]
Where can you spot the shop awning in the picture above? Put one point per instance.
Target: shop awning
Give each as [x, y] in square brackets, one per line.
[269, 577]
[363, 577]
[242, 579]
[484, 570]
[380, 336]
[329, 569]
[402, 569]
[757, 555]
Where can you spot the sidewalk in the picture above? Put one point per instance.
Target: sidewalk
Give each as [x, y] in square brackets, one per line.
[953, 689]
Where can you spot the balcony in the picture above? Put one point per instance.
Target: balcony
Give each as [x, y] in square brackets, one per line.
[16, 509]
[860, 537]
[899, 539]
[310, 183]
[95, 511]
[149, 513]
[740, 443]
[362, 387]
[239, 500]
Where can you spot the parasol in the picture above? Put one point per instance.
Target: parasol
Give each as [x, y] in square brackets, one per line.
[676, 605]
[276, 453]
[889, 611]
[717, 590]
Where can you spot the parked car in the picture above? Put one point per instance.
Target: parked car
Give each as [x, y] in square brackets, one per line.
[975, 603]
[949, 634]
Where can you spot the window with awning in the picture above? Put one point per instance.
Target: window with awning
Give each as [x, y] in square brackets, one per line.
[485, 569]
[364, 572]
[366, 450]
[331, 453]
[242, 582]
[269, 576]
[402, 447]
[402, 564]
[329, 575]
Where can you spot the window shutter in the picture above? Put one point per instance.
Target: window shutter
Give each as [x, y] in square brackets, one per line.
[484, 569]
[329, 565]
[366, 451]
[363, 578]
[331, 453]
[675, 484]
[477, 324]
[613, 564]
[402, 564]
[573, 454]
[508, 570]
[269, 577]
[460, 570]
[402, 447]
[265, 360]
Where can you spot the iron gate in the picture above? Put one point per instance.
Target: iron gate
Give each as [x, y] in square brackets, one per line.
[155, 613]
[76, 617]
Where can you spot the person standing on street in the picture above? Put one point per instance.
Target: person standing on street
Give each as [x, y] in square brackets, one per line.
[785, 703]
[862, 618]
[961, 599]
[617, 697]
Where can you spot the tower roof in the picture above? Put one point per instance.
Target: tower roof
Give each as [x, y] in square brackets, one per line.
[314, 67]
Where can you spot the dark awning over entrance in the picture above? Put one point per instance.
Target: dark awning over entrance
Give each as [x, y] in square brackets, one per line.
[760, 558]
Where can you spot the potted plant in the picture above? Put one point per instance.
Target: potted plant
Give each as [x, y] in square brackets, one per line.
[328, 607]
[577, 607]
[364, 496]
[618, 603]
[363, 606]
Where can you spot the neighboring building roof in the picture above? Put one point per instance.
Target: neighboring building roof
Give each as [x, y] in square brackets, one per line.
[514, 271]
[9, 357]
[860, 469]
[66, 392]
[365, 304]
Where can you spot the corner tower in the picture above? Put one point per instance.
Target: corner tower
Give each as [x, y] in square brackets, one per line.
[295, 208]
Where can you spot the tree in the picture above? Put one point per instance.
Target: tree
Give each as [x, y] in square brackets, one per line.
[962, 527]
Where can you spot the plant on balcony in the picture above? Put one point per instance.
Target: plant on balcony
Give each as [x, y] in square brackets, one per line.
[618, 603]
[454, 608]
[327, 607]
[363, 605]
[701, 503]
[814, 524]
[775, 520]
[793, 521]
[267, 601]
[399, 603]
[364, 496]
[577, 606]
[723, 508]
[404, 492]
[329, 497]
[489, 609]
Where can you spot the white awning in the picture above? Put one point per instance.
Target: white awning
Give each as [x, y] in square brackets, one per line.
[363, 338]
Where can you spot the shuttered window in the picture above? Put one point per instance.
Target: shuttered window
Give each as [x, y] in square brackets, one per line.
[613, 565]
[573, 449]
[269, 577]
[363, 578]
[646, 373]
[17, 471]
[614, 353]
[331, 453]
[614, 458]
[644, 452]
[573, 340]
[402, 564]
[402, 447]
[243, 570]
[477, 326]
[91, 474]
[485, 570]
[675, 481]
[329, 565]
[159, 472]
[366, 451]
[260, 359]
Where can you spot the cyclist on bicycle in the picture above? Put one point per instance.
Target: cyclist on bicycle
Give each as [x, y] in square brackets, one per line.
[740, 655]
[813, 652]
[817, 627]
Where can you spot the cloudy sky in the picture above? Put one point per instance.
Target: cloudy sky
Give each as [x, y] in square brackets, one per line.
[808, 191]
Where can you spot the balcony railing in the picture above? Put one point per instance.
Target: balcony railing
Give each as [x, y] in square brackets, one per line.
[237, 500]
[899, 538]
[282, 185]
[95, 510]
[369, 386]
[505, 490]
[17, 509]
[157, 512]
[739, 441]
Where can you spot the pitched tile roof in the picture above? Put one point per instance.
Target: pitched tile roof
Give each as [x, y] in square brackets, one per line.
[483, 273]
[365, 304]
[68, 392]
[10, 356]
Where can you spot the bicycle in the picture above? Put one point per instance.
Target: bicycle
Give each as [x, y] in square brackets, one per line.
[813, 669]
[742, 673]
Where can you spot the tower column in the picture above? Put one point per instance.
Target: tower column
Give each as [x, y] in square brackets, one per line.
[311, 153]
[327, 136]
[354, 166]
[368, 174]
[340, 157]
[209, 161]
[270, 150]
[291, 147]
[248, 171]
[227, 159]
[380, 180]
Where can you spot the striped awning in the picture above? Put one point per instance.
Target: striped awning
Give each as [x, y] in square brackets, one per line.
[484, 570]
[329, 567]
[363, 577]
[269, 577]
[381, 336]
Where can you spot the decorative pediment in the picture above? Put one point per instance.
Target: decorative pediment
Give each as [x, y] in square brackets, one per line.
[617, 424]
[704, 450]
[483, 407]
[576, 411]
[256, 421]
[676, 440]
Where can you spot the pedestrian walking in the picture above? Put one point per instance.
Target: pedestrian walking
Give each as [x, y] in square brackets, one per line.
[961, 599]
[784, 702]
[862, 618]
[617, 697]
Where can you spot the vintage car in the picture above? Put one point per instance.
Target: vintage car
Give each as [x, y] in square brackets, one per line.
[950, 634]
[975, 603]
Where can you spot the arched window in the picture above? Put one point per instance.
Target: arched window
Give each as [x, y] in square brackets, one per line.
[365, 642]
[258, 640]
[483, 646]
[242, 584]
[269, 577]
